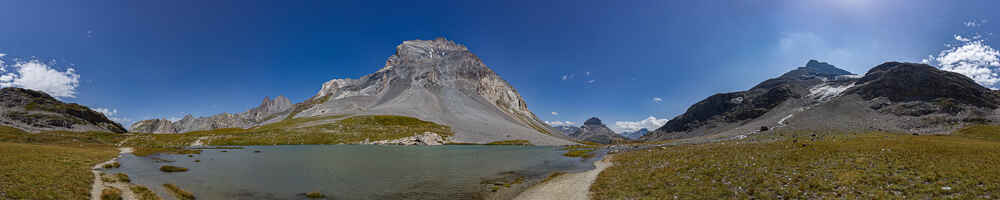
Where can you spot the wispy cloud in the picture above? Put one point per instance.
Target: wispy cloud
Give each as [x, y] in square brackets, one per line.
[560, 123]
[555, 113]
[591, 81]
[36, 75]
[588, 73]
[567, 76]
[975, 23]
[657, 100]
[650, 123]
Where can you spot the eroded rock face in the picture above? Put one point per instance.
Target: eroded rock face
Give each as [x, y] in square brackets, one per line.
[901, 82]
[427, 138]
[268, 109]
[34, 111]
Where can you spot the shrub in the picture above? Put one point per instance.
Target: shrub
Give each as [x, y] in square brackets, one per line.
[169, 169]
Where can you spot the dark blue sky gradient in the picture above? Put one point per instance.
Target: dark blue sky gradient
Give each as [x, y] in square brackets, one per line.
[166, 58]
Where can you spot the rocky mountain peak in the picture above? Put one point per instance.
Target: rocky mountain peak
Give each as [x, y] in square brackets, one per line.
[593, 121]
[814, 69]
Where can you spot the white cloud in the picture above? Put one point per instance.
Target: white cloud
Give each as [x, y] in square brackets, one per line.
[588, 73]
[36, 75]
[560, 123]
[657, 100]
[651, 123]
[112, 114]
[591, 81]
[3, 54]
[971, 57]
[555, 113]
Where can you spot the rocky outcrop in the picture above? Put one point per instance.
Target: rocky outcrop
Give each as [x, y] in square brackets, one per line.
[895, 97]
[593, 130]
[566, 130]
[35, 111]
[427, 138]
[269, 109]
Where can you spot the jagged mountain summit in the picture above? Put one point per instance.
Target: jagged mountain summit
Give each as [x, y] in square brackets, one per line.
[593, 130]
[268, 109]
[898, 97]
[434, 80]
[36, 111]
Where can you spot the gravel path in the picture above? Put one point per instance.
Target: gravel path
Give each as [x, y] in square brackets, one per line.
[568, 186]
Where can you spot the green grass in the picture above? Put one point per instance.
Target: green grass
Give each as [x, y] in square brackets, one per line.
[295, 131]
[170, 169]
[315, 195]
[178, 192]
[982, 132]
[846, 166]
[582, 151]
[51, 165]
[511, 142]
[143, 193]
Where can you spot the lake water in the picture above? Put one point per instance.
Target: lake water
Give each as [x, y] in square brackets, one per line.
[347, 171]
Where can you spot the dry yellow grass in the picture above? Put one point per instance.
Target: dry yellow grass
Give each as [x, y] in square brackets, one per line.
[864, 166]
[178, 192]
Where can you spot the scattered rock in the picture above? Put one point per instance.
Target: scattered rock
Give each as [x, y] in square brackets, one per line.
[427, 138]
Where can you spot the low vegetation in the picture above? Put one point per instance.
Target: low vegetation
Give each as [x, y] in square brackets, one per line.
[171, 169]
[111, 194]
[51, 165]
[811, 166]
[178, 192]
[112, 165]
[143, 193]
[511, 142]
[315, 195]
[581, 151]
[296, 131]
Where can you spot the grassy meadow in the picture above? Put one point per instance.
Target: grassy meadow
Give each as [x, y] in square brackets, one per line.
[51, 165]
[805, 165]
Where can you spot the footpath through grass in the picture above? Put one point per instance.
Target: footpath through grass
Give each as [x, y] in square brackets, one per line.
[965, 165]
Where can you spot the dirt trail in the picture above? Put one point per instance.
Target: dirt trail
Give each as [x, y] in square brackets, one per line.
[99, 184]
[569, 186]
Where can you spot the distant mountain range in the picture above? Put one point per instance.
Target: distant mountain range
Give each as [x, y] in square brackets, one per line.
[434, 80]
[36, 111]
[592, 130]
[897, 97]
[635, 135]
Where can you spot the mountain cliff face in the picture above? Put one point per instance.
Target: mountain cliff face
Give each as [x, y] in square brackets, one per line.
[268, 109]
[441, 81]
[434, 80]
[899, 97]
[35, 111]
[593, 130]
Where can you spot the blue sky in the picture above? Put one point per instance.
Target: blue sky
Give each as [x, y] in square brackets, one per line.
[164, 59]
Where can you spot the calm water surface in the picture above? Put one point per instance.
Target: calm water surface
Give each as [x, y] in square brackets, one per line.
[346, 171]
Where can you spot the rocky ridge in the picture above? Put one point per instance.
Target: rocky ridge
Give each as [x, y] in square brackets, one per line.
[897, 97]
[269, 109]
[35, 111]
